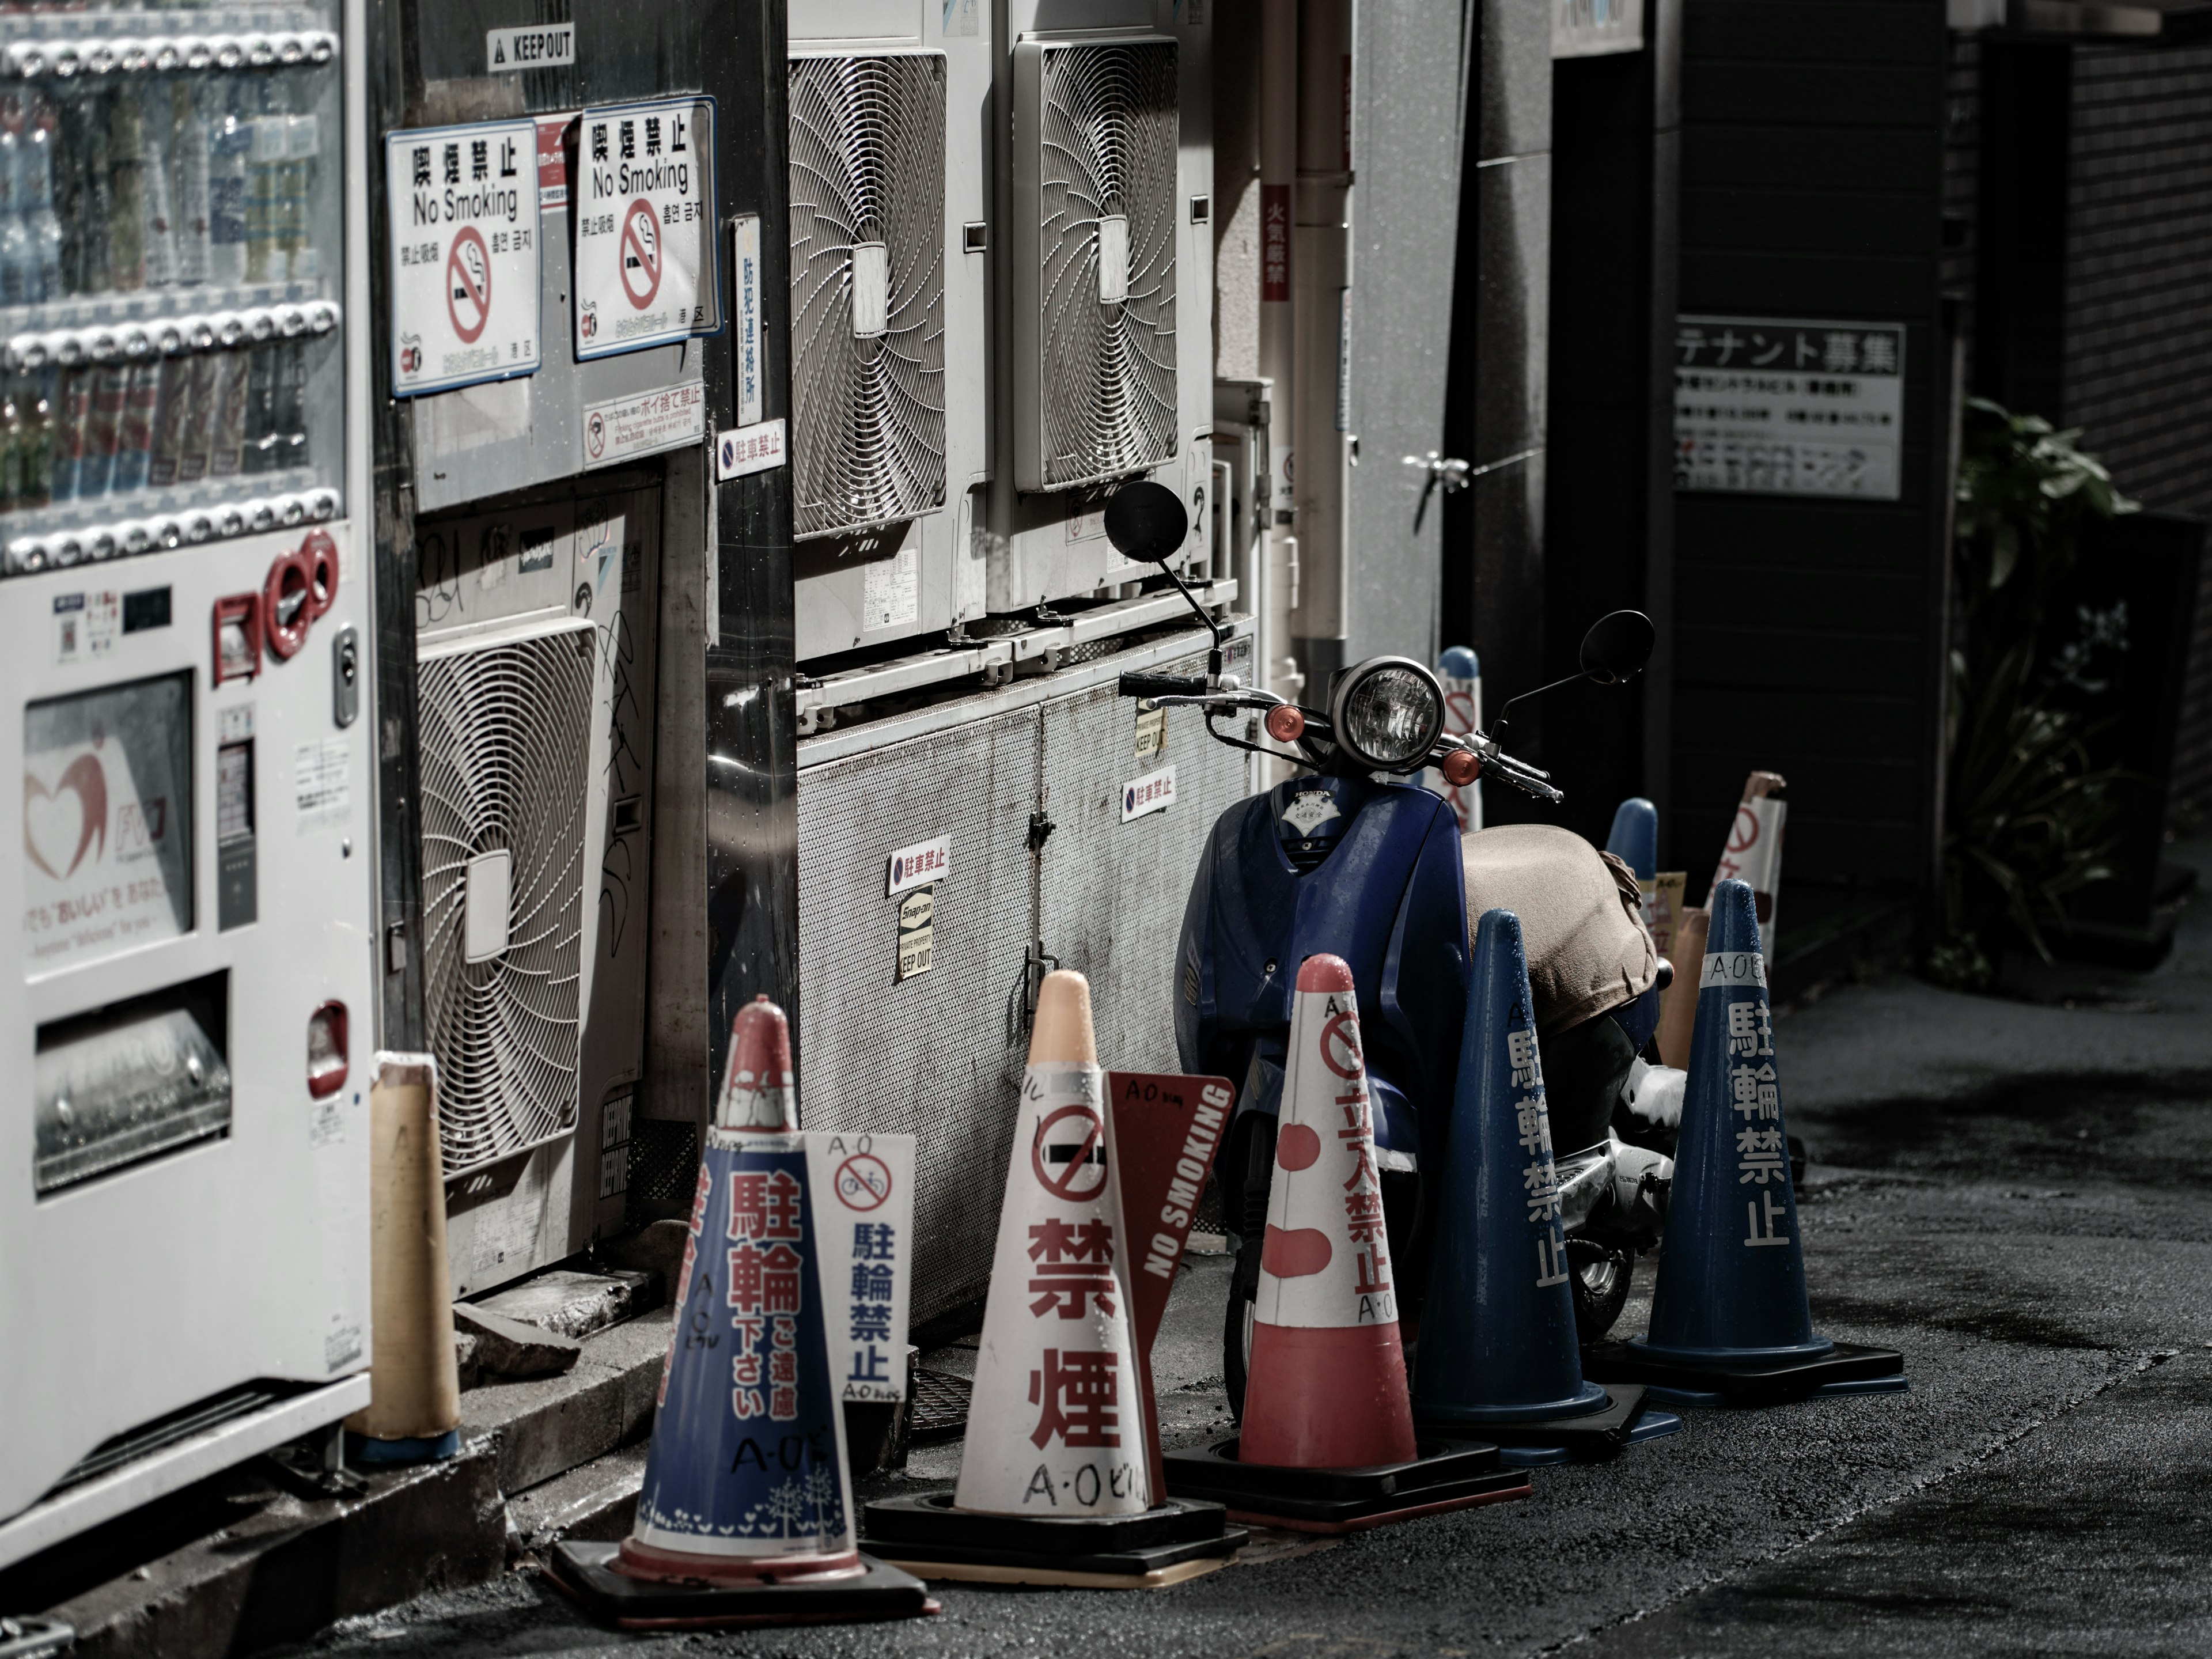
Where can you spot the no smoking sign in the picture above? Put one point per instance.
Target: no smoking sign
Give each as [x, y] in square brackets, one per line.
[464, 205]
[645, 250]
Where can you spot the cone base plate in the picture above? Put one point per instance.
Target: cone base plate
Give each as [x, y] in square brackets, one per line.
[922, 1525]
[1586, 1435]
[1651, 1425]
[1178, 1540]
[1449, 1474]
[586, 1572]
[1849, 1367]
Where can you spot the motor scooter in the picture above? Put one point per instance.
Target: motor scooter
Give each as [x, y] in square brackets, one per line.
[1353, 857]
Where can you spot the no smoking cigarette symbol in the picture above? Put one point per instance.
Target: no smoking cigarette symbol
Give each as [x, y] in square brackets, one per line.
[468, 285]
[1340, 1037]
[1080, 1167]
[640, 253]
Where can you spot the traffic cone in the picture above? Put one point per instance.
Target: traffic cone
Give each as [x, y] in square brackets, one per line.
[1328, 1443]
[745, 1516]
[1729, 1317]
[414, 1413]
[1498, 1353]
[1056, 1472]
[1634, 839]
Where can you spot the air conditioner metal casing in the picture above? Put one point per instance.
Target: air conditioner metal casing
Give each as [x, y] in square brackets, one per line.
[911, 570]
[540, 1048]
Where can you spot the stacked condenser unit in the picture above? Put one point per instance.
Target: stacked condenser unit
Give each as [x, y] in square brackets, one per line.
[1001, 312]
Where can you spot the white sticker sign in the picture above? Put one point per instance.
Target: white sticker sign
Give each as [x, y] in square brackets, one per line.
[647, 270]
[464, 246]
[1770, 406]
[862, 1191]
[540, 46]
[1153, 792]
[1732, 968]
[918, 865]
[745, 234]
[749, 449]
[626, 427]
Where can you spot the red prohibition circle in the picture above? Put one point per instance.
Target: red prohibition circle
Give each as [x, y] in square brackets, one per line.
[472, 286]
[1063, 1186]
[863, 1182]
[1343, 1029]
[1744, 832]
[641, 250]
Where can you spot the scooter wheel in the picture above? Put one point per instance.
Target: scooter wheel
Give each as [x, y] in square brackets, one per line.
[1599, 1279]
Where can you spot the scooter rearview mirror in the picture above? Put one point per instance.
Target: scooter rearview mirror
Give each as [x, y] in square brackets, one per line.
[1146, 521]
[1617, 647]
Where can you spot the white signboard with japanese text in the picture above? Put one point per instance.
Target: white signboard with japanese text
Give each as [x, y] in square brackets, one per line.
[464, 210]
[862, 1188]
[745, 243]
[623, 429]
[1773, 406]
[1593, 28]
[647, 270]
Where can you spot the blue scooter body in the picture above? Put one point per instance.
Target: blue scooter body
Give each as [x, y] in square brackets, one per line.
[1366, 871]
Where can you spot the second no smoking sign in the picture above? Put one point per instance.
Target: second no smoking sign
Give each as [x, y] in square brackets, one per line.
[645, 270]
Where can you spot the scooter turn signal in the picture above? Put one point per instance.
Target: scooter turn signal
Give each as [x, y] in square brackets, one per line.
[1460, 768]
[1285, 723]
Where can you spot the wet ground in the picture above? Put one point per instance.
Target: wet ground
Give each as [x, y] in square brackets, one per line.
[2014, 1192]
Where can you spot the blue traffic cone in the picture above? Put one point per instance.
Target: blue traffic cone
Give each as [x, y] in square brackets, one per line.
[745, 1514]
[1731, 1318]
[1635, 836]
[1498, 1345]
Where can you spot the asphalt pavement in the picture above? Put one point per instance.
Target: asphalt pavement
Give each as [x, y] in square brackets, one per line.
[2010, 1190]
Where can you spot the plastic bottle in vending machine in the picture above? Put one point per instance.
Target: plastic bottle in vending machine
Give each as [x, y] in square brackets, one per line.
[194, 415]
[230, 141]
[126, 185]
[95, 466]
[35, 196]
[172, 431]
[38, 445]
[303, 256]
[292, 404]
[85, 205]
[152, 101]
[264, 187]
[188, 182]
[11, 452]
[134, 440]
[261, 440]
[72, 420]
[227, 424]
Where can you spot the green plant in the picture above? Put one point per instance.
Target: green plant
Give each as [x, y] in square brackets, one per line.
[2027, 819]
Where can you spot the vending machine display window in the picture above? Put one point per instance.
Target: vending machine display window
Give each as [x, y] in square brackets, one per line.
[172, 266]
[107, 821]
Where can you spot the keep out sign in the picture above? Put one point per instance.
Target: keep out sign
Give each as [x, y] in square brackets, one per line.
[464, 211]
[645, 270]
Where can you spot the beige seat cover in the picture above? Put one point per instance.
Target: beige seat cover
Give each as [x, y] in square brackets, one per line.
[1580, 922]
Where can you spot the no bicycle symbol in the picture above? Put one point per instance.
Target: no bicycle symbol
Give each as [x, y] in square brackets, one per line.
[640, 253]
[864, 1181]
[468, 285]
[1073, 1165]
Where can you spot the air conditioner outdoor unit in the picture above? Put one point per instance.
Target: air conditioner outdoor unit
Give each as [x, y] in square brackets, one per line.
[888, 238]
[1105, 340]
[535, 677]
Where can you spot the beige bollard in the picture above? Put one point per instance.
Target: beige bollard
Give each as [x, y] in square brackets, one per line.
[415, 1390]
[1678, 1010]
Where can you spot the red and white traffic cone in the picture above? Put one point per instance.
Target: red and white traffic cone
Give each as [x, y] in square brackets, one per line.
[745, 1516]
[1055, 1466]
[1328, 1443]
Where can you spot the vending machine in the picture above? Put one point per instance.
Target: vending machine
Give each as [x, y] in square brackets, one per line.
[184, 622]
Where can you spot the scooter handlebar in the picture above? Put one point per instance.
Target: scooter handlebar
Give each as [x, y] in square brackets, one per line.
[1163, 685]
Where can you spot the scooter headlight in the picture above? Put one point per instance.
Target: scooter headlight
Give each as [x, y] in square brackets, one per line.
[1388, 713]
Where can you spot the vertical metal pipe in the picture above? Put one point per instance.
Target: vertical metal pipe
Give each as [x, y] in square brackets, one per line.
[1278, 174]
[1321, 294]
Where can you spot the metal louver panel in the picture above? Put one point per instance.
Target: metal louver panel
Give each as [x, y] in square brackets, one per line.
[506, 738]
[1095, 169]
[867, 290]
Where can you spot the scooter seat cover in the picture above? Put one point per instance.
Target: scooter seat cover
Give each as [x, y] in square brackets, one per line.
[1587, 947]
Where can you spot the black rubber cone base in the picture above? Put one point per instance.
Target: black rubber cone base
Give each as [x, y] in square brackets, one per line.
[587, 1572]
[1164, 1544]
[1449, 1474]
[1848, 1368]
[1588, 1438]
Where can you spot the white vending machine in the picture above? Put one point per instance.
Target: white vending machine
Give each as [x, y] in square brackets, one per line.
[185, 629]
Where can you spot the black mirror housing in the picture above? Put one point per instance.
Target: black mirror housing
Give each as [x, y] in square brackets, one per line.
[1147, 521]
[1617, 647]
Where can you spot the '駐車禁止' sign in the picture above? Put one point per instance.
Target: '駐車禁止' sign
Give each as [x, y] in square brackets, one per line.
[1770, 406]
[643, 185]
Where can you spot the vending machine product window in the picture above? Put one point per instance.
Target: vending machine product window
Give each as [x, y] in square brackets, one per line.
[172, 265]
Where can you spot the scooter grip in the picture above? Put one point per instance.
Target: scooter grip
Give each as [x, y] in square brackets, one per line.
[1163, 685]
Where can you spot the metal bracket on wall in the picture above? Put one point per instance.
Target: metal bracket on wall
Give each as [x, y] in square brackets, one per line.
[1036, 962]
